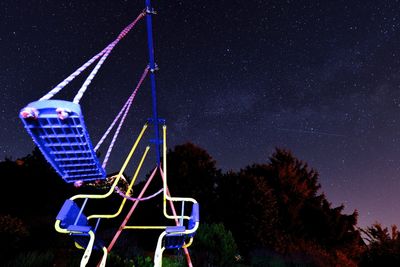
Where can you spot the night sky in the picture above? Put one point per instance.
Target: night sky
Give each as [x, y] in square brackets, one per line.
[238, 78]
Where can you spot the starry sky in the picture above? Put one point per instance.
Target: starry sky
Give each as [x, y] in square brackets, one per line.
[238, 78]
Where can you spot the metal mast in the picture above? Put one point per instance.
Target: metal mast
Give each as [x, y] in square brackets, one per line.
[152, 65]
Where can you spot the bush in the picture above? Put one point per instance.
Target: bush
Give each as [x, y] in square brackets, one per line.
[173, 262]
[215, 244]
[32, 259]
[115, 260]
[13, 233]
[12, 230]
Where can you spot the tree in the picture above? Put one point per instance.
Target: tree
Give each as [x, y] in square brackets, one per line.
[305, 214]
[33, 187]
[13, 233]
[248, 208]
[277, 206]
[383, 247]
[193, 172]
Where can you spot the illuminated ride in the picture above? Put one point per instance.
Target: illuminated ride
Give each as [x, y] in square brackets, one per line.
[58, 129]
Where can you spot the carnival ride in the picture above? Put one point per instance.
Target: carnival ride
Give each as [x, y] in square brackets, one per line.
[58, 129]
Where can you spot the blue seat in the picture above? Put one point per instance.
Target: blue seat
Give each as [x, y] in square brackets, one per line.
[79, 231]
[58, 129]
[173, 239]
[68, 215]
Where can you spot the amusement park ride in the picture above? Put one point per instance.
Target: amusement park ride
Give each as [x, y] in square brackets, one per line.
[58, 129]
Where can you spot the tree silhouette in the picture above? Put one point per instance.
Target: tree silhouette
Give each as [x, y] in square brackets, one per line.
[383, 246]
[273, 208]
[277, 206]
[193, 172]
[248, 207]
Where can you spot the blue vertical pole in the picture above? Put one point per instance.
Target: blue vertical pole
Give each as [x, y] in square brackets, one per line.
[152, 66]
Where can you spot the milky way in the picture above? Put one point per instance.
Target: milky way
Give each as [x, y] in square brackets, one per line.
[237, 78]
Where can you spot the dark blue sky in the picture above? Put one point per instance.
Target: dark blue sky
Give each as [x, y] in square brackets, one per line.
[237, 78]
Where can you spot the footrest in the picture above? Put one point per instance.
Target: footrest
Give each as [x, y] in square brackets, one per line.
[83, 240]
[58, 129]
[174, 241]
[174, 237]
[79, 228]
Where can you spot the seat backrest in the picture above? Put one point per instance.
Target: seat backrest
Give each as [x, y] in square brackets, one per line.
[68, 214]
[194, 217]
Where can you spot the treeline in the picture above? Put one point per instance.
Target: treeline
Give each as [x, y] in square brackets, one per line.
[269, 214]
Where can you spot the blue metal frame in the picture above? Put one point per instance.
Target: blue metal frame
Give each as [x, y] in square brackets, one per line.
[155, 120]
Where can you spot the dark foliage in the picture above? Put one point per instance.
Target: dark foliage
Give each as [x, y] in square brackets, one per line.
[214, 246]
[32, 195]
[383, 246]
[273, 212]
[277, 206]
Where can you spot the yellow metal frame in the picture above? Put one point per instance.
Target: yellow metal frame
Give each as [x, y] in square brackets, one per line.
[108, 216]
[164, 172]
[88, 250]
[102, 196]
[166, 196]
[94, 196]
[159, 248]
[146, 227]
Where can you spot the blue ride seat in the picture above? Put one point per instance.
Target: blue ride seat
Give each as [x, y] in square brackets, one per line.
[79, 231]
[58, 129]
[173, 239]
[68, 218]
